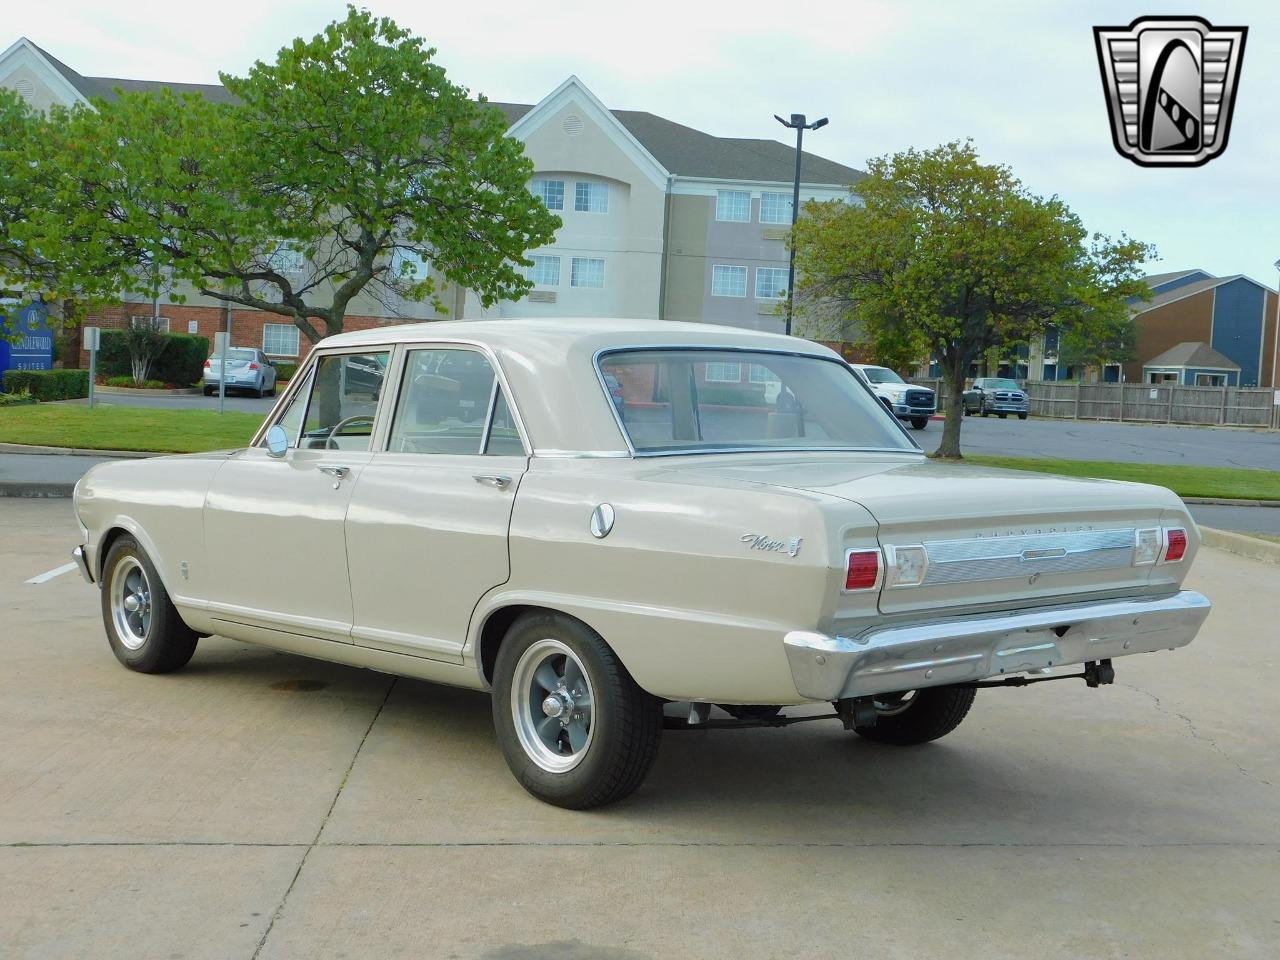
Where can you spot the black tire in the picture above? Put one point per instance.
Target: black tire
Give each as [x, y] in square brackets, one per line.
[929, 714]
[1002, 416]
[1022, 416]
[166, 643]
[919, 422]
[626, 722]
[208, 391]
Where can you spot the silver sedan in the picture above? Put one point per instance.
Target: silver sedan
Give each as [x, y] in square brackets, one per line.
[247, 369]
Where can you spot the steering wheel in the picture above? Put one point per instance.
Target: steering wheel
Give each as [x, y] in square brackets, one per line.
[337, 429]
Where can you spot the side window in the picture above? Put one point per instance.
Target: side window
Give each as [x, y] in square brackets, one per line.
[444, 405]
[291, 420]
[343, 400]
[504, 436]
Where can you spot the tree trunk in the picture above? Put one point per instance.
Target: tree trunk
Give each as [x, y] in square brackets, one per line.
[953, 380]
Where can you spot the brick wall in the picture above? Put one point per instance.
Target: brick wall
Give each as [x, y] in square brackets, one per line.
[246, 325]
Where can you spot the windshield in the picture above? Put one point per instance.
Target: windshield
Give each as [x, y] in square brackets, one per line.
[881, 375]
[1000, 384]
[676, 400]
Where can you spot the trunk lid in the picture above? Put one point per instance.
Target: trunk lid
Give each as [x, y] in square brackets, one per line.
[992, 536]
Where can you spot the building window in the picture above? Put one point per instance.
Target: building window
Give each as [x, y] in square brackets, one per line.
[159, 324]
[280, 339]
[719, 371]
[408, 265]
[285, 258]
[591, 197]
[771, 283]
[775, 208]
[545, 271]
[1211, 379]
[762, 374]
[728, 281]
[733, 205]
[550, 192]
[586, 272]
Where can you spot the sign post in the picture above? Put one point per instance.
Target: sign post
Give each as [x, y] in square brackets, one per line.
[92, 338]
[220, 348]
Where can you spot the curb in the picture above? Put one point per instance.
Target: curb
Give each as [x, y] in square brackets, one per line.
[36, 490]
[1228, 502]
[24, 448]
[1241, 545]
[143, 392]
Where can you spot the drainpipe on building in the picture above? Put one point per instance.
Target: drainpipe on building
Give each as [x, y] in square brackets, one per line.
[664, 262]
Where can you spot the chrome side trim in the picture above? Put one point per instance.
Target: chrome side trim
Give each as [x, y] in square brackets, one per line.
[551, 453]
[912, 656]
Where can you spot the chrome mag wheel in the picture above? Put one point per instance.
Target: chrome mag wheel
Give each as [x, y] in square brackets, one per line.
[552, 703]
[892, 704]
[131, 603]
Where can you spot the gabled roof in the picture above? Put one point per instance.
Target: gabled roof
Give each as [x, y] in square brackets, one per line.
[1178, 293]
[1193, 354]
[682, 150]
[105, 87]
[1155, 279]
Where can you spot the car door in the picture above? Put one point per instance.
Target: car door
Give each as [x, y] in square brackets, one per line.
[430, 513]
[274, 533]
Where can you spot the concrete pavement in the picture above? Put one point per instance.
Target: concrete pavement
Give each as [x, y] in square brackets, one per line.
[262, 805]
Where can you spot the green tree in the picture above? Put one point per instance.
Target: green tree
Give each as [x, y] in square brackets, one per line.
[346, 166]
[940, 255]
[24, 186]
[1093, 346]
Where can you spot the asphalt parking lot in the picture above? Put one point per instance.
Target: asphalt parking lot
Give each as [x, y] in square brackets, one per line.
[258, 804]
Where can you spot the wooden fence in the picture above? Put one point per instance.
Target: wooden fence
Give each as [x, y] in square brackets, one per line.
[1146, 403]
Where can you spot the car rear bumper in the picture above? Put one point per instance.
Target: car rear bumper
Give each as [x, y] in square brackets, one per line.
[930, 654]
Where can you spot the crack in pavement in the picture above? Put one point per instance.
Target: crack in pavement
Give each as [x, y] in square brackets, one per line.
[323, 821]
[1197, 735]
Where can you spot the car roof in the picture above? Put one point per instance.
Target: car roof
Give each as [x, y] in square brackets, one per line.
[549, 366]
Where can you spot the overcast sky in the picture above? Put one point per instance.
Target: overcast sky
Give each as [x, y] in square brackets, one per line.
[1020, 78]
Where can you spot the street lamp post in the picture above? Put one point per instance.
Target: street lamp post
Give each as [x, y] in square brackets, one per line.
[799, 125]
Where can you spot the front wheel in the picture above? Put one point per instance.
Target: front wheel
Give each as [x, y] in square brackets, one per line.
[918, 716]
[1002, 416]
[919, 422]
[143, 626]
[575, 729]
[1022, 416]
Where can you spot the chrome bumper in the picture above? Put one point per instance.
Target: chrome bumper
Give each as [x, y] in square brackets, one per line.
[82, 564]
[912, 656]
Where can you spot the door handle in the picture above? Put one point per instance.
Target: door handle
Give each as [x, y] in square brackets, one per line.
[338, 473]
[492, 481]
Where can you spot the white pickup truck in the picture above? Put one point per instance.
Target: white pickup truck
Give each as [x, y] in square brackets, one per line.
[907, 401]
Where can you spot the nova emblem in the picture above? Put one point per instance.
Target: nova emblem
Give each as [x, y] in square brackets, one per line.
[1170, 84]
[759, 541]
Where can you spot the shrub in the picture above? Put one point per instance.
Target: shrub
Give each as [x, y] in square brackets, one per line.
[181, 361]
[117, 381]
[15, 399]
[48, 384]
[285, 370]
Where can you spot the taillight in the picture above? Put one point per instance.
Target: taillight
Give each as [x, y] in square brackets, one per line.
[253, 366]
[1175, 544]
[207, 364]
[862, 570]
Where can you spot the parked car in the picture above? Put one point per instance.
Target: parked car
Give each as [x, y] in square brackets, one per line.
[247, 369]
[998, 395]
[587, 568]
[905, 401]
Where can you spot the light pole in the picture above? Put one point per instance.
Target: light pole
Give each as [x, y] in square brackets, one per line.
[799, 125]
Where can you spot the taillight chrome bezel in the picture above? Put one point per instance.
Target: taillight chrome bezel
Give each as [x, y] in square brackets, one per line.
[880, 565]
[1181, 532]
[892, 556]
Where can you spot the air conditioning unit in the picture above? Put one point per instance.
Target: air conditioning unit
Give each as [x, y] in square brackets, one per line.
[542, 296]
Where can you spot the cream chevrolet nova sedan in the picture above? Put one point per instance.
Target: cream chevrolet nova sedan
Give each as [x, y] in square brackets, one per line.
[614, 525]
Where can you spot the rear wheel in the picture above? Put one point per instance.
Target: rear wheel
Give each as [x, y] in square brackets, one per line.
[1022, 416]
[575, 729]
[143, 626]
[1002, 416]
[918, 716]
[919, 422]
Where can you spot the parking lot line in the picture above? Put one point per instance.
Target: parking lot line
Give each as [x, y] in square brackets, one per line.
[50, 574]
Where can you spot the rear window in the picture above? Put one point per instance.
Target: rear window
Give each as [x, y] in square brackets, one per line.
[676, 400]
[241, 355]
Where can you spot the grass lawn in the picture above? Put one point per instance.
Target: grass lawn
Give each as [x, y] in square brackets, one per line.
[1186, 481]
[126, 428]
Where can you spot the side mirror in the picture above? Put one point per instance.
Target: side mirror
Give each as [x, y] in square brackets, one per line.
[277, 441]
